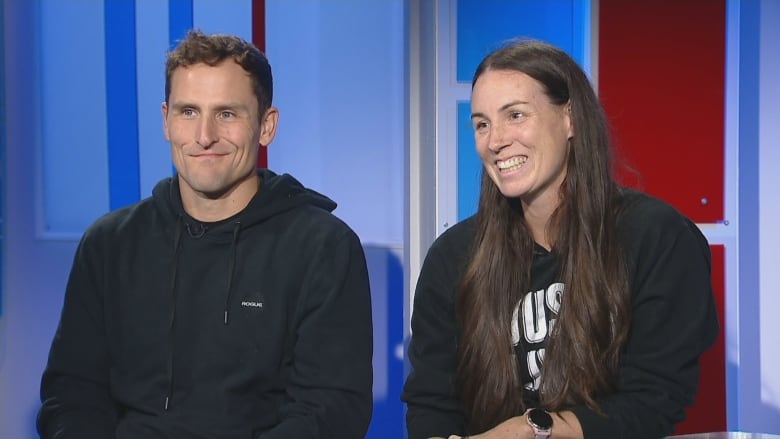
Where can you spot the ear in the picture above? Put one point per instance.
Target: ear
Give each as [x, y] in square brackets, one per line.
[569, 120]
[268, 125]
[165, 120]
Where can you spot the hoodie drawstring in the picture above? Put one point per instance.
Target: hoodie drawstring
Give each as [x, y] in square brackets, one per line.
[172, 316]
[231, 267]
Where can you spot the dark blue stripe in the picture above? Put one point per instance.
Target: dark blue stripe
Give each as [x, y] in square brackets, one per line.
[179, 20]
[748, 188]
[121, 104]
[2, 157]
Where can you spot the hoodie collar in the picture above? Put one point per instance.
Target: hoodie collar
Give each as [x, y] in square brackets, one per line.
[278, 193]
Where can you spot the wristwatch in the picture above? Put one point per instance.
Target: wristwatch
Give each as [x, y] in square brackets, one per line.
[540, 421]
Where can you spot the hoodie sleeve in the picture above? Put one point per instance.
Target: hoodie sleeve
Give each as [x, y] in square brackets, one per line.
[433, 408]
[674, 320]
[329, 389]
[74, 388]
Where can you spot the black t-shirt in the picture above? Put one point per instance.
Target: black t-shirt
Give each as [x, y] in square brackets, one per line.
[533, 319]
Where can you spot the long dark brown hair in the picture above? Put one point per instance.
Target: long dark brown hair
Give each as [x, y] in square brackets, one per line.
[582, 352]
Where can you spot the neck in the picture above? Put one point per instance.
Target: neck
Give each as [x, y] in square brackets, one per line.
[210, 208]
[538, 221]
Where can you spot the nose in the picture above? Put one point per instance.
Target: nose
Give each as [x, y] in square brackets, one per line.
[498, 137]
[207, 132]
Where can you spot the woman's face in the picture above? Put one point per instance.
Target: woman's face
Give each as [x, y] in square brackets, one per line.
[522, 137]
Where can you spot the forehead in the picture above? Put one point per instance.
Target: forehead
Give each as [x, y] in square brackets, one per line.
[226, 80]
[495, 86]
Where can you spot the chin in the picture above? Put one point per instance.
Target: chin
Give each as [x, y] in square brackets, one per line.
[208, 188]
[512, 192]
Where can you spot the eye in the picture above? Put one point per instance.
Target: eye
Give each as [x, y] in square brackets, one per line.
[227, 114]
[516, 115]
[480, 126]
[188, 112]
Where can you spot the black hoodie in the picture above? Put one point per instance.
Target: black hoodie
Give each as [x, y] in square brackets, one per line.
[258, 326]
[673, 321]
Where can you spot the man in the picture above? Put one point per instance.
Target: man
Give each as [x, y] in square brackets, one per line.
[230, 304]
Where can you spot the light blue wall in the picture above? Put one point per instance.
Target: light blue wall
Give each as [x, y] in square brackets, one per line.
[339, 83]
[340, 91]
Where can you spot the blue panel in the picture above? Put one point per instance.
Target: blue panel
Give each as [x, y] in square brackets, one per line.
[72, 184]
[218, 16]
[484, 24]
[469, 164]
[343, 133]
[749, 227]
[317, 90]
[121, 104]
[2, 159]
[385, 270]
[179, 20]
[153, 150]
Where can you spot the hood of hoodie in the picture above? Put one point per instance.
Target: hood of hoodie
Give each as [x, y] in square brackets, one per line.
[277, 194]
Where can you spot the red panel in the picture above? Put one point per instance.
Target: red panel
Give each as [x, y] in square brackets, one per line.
[709, 412]
[662, 83]
[258, 39]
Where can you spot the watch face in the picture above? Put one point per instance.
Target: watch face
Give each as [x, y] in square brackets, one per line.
[540, 418]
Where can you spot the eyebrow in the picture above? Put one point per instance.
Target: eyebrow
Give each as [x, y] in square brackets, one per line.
[504, 107]
[220, 107]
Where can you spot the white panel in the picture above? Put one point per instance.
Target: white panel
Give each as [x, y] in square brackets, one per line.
[449, 93]
[151, 21]
[769, 214]
[74, 133]
[726, 233]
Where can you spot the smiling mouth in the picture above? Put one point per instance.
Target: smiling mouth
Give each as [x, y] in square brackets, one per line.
[207, 155]
[511, 164]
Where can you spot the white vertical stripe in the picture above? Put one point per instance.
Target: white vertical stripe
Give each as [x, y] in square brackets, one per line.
[727, 234]
[769, 215]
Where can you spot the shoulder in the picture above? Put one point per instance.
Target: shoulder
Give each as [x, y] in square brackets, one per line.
[645, 216]
[309, 218]
[456, 242]
[310, 229]
[650, 228]
[122, 221]
[449, 254]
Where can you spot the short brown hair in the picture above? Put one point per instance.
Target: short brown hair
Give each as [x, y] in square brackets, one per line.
[198, 47]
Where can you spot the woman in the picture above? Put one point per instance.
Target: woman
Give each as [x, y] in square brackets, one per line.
[566, 293]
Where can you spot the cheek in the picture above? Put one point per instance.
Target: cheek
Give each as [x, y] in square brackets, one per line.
[481, 143]
[178, 133]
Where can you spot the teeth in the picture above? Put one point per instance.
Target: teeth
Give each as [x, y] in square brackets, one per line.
[511, 164]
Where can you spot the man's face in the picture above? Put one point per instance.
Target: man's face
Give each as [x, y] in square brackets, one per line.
[213, 123]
